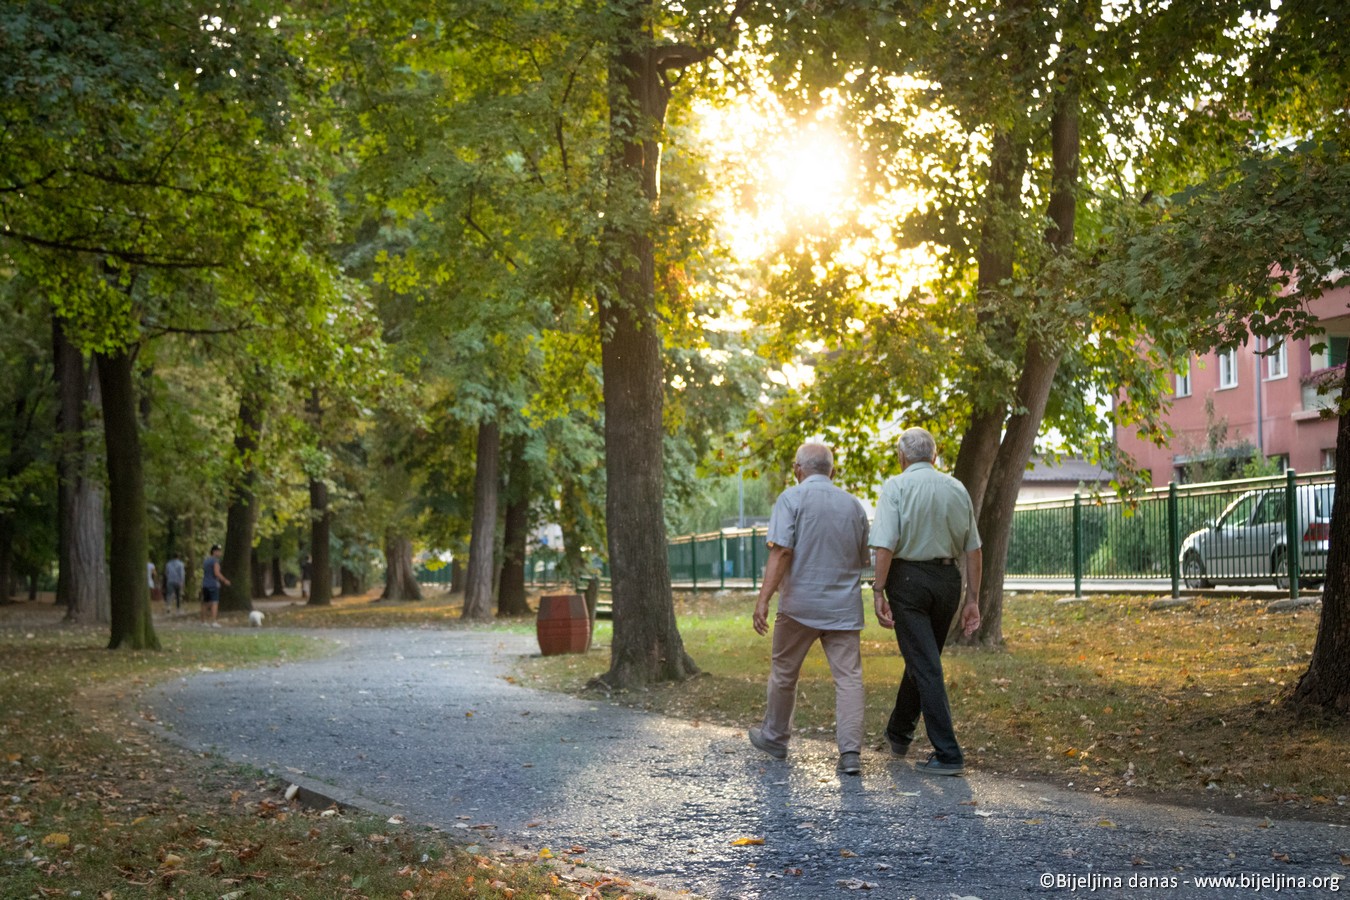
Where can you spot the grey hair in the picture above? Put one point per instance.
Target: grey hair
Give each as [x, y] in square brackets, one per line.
[917, 445]
[815, 458]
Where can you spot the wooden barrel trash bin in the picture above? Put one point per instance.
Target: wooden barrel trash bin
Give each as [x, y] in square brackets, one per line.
[563, 624]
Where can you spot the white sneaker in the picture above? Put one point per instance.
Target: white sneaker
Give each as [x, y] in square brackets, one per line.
[215, 624]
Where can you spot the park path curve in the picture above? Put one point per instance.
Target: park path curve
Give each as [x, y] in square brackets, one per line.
[430, 722]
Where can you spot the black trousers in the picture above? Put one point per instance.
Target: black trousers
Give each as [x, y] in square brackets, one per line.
[924, 598]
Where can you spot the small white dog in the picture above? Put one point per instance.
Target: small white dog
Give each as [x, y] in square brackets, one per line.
[255, 619]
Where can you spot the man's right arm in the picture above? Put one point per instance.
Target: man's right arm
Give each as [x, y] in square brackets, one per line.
[780, 561]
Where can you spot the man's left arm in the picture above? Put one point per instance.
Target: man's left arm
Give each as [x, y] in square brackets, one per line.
[970, 610]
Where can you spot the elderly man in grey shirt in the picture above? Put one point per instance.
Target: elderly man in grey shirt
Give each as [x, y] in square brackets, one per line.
[817, 554]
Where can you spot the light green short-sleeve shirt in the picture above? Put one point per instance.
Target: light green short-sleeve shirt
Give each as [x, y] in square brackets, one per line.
[924, 514]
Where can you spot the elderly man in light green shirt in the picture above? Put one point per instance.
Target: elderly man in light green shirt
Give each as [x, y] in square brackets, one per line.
[923, 525]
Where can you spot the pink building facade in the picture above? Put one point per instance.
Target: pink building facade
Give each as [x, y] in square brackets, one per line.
[1268, 400]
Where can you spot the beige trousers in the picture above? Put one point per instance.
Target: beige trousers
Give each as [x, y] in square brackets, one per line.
[791, 642]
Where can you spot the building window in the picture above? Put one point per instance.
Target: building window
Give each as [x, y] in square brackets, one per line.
[1183, 379]
[1277, 358]
[1228, 374]
[1329, 459]
[1335, 349]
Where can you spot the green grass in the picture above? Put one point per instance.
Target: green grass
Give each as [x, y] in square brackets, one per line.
[92, 805]
[1109, 695]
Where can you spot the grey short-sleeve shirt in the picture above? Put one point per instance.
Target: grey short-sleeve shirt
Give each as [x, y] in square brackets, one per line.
[826, 529]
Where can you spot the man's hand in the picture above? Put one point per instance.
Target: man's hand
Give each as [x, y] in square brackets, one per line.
[883, 609]
[970, 618]
[761, 617]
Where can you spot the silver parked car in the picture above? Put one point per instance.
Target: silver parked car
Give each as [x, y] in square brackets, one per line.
[1248, 543]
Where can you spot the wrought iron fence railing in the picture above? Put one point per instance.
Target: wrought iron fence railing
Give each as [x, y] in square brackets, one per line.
[1273, 530]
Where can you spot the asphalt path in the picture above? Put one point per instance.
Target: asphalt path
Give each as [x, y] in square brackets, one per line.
[433, 724]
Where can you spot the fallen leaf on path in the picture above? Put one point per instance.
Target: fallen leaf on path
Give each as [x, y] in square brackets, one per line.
[1281, 857]
[59, 839]
[857, 884]
[746, 841]
[847, 854]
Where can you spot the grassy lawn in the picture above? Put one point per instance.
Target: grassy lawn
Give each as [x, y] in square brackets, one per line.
[1179, 704]
[94, 806]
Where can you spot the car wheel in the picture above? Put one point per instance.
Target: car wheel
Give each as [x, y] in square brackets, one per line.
[1280, 568]
[1193, 571]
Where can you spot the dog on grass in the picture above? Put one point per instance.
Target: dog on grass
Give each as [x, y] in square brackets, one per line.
[255, 619]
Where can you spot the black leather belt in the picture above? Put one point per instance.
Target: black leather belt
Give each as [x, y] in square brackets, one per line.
[940, 561]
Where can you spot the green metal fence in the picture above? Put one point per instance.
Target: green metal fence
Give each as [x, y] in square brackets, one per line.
[1232, 532]
[1198, 535]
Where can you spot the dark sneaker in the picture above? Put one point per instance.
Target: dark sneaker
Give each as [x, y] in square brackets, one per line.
[773, 748]
[897, 749]
[935, 766]
[849, 764]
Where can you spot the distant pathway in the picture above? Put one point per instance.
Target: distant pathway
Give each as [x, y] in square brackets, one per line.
[426, 721]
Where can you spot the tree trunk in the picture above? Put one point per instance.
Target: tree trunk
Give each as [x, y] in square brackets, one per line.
[351, 584]
[646, 646]
[997, 250]
[82, 568]
[130, 549]
[241, 517]
[1326, 683]
[478, 586]
[321, 527]
[456, 576]
[1040, 362]
[400, 579]
[511, 587]
[7, 581]
[278, 577]
[258, 574]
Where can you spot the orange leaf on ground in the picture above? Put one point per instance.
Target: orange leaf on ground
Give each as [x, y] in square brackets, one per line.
[746, 841]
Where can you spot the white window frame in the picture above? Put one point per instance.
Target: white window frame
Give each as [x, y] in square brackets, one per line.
[1182, 380]
[1228, 370]
[1277, 359]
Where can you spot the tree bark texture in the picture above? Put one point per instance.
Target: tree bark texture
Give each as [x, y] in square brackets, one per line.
[1326, 683]
[278, 577]
[82, 568]
[994, 260]
[511, 586]
[130, 545]
[646, 645]
[321, 559]
[351, 584]
[483, 533]
[400, 579]
[241, 516]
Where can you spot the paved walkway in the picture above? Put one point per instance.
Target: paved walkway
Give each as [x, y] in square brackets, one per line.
[430, 722]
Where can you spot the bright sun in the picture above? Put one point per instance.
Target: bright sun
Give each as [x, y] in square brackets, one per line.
[809, 173]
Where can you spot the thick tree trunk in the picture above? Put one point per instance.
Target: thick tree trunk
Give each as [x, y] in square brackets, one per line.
[511, 586]
[278, 577]
[400, 579]
[130, 550]
[994, 259]
[82, 568]
[321, 561]
[646, 646]
[258, 575]
[1040, 362]
[351, 584]
[241, 517]
[1326, 683]
[483, 539]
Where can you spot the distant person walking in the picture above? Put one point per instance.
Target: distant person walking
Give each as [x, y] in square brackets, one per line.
[175, 577]
[924, 522]
[817, 554]
[212, 579]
